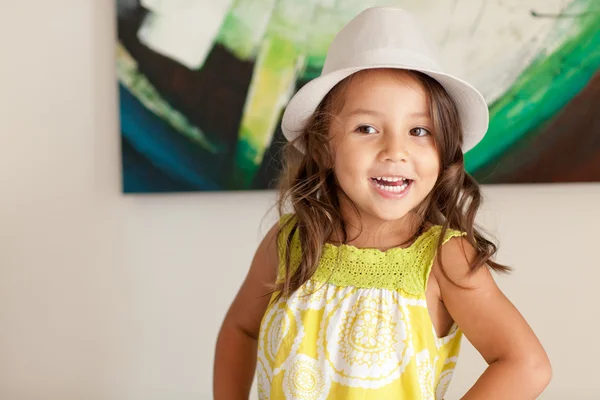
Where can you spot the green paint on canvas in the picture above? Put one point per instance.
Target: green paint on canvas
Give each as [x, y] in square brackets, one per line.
[546, 86]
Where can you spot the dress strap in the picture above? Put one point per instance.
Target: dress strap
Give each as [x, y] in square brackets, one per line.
[431, 253]
[288, 234]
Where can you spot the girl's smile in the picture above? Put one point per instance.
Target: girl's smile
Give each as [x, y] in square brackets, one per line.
[391, 187]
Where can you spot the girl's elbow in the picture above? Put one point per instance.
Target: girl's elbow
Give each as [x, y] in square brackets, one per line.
[546, 373]
[539, 371]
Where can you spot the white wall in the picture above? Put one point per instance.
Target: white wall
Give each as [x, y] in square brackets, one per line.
[105, 296]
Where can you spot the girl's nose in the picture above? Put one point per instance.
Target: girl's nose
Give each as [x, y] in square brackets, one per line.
[395, 149]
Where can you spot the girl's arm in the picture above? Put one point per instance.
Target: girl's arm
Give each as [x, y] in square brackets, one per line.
[235, 358]
[518, 365]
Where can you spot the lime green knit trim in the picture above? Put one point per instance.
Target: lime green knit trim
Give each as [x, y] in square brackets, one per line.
[404, 269]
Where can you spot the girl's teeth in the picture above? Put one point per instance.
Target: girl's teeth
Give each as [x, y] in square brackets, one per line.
[392, 189]
[391, 179]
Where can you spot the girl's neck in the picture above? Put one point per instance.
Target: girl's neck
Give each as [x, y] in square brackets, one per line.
[367, 231]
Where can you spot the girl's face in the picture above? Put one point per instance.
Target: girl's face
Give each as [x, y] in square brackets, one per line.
[385, 159]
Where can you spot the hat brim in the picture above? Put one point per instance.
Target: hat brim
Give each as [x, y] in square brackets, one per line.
[471, 105]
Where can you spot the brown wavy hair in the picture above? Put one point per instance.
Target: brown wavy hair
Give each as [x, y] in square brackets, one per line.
[307, 185]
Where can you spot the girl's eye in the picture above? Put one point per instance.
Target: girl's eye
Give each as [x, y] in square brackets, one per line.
[420, 132]
[366, 129]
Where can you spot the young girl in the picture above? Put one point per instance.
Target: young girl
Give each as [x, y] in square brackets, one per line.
[379, 270]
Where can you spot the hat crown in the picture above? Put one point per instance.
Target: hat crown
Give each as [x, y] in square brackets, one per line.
[379, 36]
[385, 37]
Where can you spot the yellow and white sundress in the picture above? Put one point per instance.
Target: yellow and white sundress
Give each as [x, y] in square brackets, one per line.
[358, 329]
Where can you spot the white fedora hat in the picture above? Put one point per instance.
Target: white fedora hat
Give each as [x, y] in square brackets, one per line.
[385, 37]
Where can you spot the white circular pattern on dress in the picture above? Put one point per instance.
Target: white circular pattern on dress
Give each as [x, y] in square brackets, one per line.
[369, 338]
[305, 380]
[426, 377]
[443, 383]
[279, 328]
[367, 346]
[262, 381]
[279, 334]
[277, 323]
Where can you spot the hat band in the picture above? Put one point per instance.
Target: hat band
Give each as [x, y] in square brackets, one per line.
[382, 57]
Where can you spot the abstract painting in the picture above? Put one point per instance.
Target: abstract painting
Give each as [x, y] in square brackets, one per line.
[203, 84]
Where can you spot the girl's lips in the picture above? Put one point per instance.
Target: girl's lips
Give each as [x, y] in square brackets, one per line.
[397, 189]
